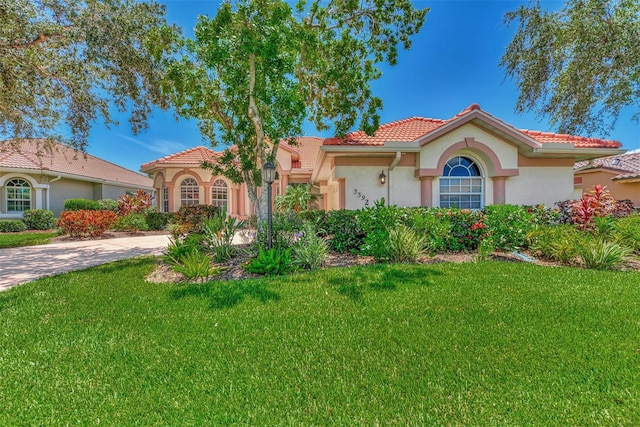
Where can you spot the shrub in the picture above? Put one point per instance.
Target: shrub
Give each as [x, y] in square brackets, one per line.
[139, 202]
[177, 249]
[12, 226]
[86, 223]
[158, 220]
[217, 236]
[38, 219]
[343, 231]
[194, 265]
[271, 262]
[284, 226]
[508, 225]
[191, 217]
[557, 243]
[132, 222]
[81, 205]
[626, 231]
[310, 250]
[296, 198]
[598, 254]
[429, 223]
[375, 223]
[108, 205]
[405, 244]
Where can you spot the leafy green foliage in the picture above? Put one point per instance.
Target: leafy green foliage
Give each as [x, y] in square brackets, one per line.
[108, 205]
[284, 226]
[195, 265]
[577, 65]
[598, 254]
[271, 262]
[508, 225]
[190, 218]
[39, 219]
[626, 231]
[296, 198]
[376, 222]
[12, 225]
[310, 250]
[343, 231]
[159, 220]
[133, 222]
[557, 243]
[258, 69]
[217, 236]
[81, 205]
[66, 62]
[405, 244]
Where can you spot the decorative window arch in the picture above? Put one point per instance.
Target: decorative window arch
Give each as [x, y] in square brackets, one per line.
[220, 194]
[461, 184]
[189, 192]
[18, 195]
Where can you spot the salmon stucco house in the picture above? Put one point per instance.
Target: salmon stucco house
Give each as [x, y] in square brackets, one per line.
[621, 175]
[36, 176]
[468, 161]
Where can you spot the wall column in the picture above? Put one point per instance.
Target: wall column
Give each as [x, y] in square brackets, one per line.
[499, 192]
[426, 191]
[342, 193]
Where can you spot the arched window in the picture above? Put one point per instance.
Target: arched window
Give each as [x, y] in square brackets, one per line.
[220, 194]
[18, 195]
[189, 192]
[461, 184]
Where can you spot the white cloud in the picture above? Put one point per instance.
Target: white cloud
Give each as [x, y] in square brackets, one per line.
[162, 146]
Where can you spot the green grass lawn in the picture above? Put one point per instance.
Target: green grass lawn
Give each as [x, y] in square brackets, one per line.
[14, 240]
[446, 344]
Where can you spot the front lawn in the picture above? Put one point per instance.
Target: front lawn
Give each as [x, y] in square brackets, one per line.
[490, 343]
[27, 238]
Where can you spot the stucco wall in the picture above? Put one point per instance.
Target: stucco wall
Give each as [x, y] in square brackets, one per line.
[544, 185]
[64, 189]
[361, 185]
[404, 187]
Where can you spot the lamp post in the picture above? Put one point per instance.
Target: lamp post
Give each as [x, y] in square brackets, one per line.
[268, 176]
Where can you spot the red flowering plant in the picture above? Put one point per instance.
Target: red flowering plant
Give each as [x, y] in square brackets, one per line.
[86, 223]
[597, 203]
[129, 203]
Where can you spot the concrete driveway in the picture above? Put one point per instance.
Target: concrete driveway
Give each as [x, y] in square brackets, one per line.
[24, 264]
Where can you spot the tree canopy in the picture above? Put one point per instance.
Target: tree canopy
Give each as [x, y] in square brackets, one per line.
[65, 63]
[578, 66]
[255, 72]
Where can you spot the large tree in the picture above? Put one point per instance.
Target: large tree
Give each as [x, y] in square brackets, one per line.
[257, 70]
[65, 63]
[577, 66]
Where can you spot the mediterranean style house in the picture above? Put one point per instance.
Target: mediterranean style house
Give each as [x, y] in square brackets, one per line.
[621, 175]
[468, 161]
[36, 176]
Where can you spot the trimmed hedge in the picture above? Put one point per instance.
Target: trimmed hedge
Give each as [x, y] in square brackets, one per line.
[81, 205]
[12, 226]
[39, 219]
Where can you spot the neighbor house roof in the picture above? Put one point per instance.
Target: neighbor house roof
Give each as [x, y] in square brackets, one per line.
[192, 156]
[56, 158]
[415, 128]
[306, 151]
[625, 166]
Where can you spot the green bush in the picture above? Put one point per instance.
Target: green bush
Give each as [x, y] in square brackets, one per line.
[81, 205]
[12, 226]
[343, 231]
[284, 226]
[598, 254]
[195, 265]
[271, 262]
[39, 219]
[217, 236]
[428, 222]
[158, 220]
[375, 223]
[555, 242]
[508, 226]
[405, 244]
[626, 231]
[132, 222]
[191, 217]
[108, 205]
[310, 250]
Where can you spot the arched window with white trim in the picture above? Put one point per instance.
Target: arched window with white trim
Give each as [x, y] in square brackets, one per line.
[189, 192]
[461, 184]
[18, 195]
[220, 194]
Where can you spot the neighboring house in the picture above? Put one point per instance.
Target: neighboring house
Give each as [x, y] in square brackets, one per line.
[35, 177]
[179, 179]
[621, 175]
[468, 161]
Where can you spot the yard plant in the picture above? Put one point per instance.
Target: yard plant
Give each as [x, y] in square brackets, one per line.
[485, 343]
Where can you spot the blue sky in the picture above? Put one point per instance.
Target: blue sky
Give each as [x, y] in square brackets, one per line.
[452, 64]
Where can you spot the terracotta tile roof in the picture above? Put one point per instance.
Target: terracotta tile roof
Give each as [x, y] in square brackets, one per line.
[414, 128]
[627, 164]
[192, 156]
[309, 149]
[33, 155]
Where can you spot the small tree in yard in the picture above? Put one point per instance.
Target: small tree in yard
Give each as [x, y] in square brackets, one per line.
[257, 70]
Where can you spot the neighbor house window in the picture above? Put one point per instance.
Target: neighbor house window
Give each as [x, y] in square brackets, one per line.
[189, 192]
[461, 184]
[219, 194]
[165, 199]
[18, 195]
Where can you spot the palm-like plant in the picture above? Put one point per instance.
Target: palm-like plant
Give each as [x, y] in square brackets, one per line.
[296, 198]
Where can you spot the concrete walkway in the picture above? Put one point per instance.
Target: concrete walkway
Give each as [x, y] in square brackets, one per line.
[20, 265]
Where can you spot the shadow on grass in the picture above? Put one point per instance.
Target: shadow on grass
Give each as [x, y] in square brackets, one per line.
[357, 281]
[227, 294]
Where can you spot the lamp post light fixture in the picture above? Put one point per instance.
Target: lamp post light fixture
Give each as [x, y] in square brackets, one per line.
[382, 178]
[268, 176]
